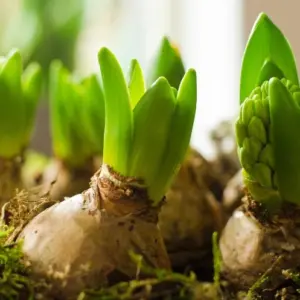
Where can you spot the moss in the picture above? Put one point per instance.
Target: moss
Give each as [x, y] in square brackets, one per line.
[14, 269]
[252, 293]
[217, 259]
[161, 284]
[14, 282]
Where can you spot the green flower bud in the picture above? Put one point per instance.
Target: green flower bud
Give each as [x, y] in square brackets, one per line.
[256, 129]
[247, 111]
[252, 147]
[262, 110]
[253, 134]
[241, 132]
[263, 174]
[267, 156]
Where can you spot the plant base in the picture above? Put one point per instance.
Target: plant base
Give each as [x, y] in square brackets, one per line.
[256, 249]
[84, 241]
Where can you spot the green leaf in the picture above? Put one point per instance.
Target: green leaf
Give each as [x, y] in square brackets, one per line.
[118, 115]
[136, 83]
[167, 63]
[269, 70]
[175, 92]
[179, 135]
[67, 118]
[12, 69]
[266, 41]
[94, 113]
[152, 120]
[12, 108]
[31, 86]
[285, 122]
[59, 114]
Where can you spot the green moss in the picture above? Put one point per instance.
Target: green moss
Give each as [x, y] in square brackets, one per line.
[217, 259]
[14, 282]
[161, 284]
[253, 291]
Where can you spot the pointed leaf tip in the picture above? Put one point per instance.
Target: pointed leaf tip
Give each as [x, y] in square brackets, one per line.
[136, 82]
[263, 17]
[15, 52]
[269, 70]
[266, 41]
[167, 62]
[166, 42]
[12, 66]
[163, 84]
[104, 54]
[189, 84]
[118, 115]
[179, 134]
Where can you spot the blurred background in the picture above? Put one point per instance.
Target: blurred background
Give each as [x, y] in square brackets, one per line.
[210, 34]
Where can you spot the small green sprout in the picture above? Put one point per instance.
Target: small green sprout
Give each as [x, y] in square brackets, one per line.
[19, 95]
[269, 117]
[266, 43]
[136, 83]
[167, 63]
[147, 133]
[77, 116]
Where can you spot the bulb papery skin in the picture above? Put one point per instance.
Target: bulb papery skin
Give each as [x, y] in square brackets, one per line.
[255, 145]
[250, 248]
[88, 238]
[191, 214]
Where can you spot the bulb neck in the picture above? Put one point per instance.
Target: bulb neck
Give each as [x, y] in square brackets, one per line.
[120, 195]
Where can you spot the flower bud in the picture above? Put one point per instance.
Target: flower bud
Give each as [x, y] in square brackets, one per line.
[254, 136]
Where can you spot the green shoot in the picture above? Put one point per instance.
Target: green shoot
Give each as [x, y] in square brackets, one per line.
[269, 70]
[269, 117]
[19, 95]
[285, 108]
[179, 135]
[77, 116]
[136, 83]
[167, 63]
[266, 42]
[147, 140]
[118, 115]
[94, 113]
[152, 121]
[31, 83]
